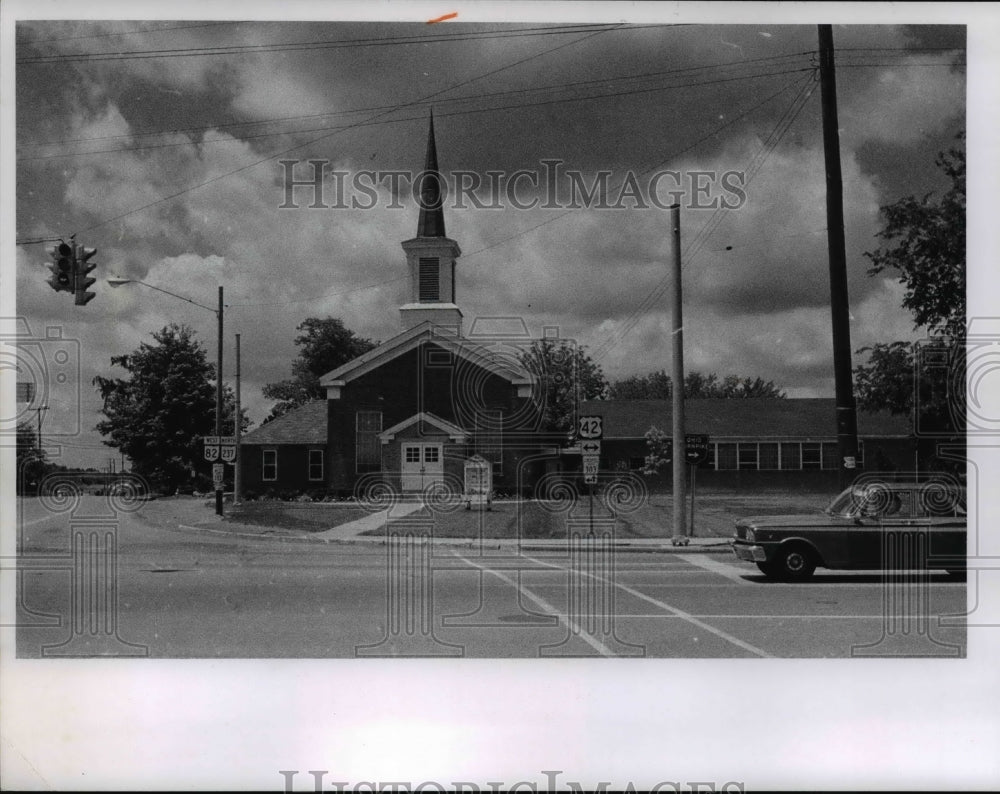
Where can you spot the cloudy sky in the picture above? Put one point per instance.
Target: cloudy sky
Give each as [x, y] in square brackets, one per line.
[158, 142]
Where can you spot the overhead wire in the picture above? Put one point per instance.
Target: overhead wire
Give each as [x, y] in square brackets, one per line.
[311, 141]
[692, 248]
[466, 257]
[446, 114]
[379, 41]
[468, 98]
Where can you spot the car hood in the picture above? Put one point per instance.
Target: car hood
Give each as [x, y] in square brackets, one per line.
[807, 520]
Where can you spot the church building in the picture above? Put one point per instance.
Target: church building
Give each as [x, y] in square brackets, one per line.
[414, 410]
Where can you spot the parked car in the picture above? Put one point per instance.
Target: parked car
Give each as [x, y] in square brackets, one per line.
[870, 526]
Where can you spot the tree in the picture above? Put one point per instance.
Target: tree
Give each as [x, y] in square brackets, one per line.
[657, 386]
[31, 459]
[567, 374]
[926, 247]
[323, 346]
[160, 413]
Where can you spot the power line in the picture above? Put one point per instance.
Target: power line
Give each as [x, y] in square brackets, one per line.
[130, 32]
[331, 134]
[38, 241]
[380, 41]
[701, 237]
[534, 89]
[715, 131]
[491, 109]
[319, 297]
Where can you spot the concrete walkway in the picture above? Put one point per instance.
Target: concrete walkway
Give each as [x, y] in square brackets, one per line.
[356, 528]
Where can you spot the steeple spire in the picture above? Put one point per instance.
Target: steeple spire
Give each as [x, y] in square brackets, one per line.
[431, 220]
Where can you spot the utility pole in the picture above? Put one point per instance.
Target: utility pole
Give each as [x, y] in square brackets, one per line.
[680, 537]
[236, 431]
[847, 419]
[38, 414]
[218, 404]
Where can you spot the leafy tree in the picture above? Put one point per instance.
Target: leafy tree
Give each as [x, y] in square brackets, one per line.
[568, 375]
[926, 248]
[31, 459]
[158, 415]
[323, 346]
[652, 386]
[657, 386]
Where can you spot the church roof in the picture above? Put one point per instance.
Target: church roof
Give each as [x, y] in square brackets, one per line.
[303, 425]
[431, 220]
[470, 350]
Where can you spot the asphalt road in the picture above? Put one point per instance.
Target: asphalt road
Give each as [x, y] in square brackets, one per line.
[134, 584]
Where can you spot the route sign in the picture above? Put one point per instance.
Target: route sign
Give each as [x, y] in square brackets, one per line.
[220, 448]
[218, 473]
[590, 447]
[591, 463]
[591, 427]
[696, 449]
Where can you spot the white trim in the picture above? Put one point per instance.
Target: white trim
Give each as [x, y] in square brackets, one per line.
[263, 465]
[309, 464]
[412, 339]
[333, 391]
[454, 432]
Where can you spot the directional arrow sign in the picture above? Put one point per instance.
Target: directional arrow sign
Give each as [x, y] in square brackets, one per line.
[590, 447]
[696, 449]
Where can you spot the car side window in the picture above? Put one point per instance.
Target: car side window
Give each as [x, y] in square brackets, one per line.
[885, 504]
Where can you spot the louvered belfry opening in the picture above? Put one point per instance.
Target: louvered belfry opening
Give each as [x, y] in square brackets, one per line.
[429, 285]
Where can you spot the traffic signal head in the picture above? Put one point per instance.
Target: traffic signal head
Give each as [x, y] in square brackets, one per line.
[62, 278]
[83, 267]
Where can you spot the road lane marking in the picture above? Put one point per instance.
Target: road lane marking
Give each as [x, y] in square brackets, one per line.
[593, 642]
[731, 572]
[38, 520]
[673, 610]
[664, 616]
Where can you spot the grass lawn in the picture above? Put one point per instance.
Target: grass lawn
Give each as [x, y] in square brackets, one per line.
[290, 515]
[714, 516]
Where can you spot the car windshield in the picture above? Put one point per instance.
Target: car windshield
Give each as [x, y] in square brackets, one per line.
[846, 504]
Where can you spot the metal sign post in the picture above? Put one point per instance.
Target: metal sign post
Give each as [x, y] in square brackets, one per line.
[695, 453]
[590, 430]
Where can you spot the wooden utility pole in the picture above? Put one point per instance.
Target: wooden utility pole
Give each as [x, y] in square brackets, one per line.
[677, 387]
[236, 430]
[218, 402]
[847, 420]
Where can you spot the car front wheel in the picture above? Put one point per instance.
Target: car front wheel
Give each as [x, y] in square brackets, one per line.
[794, 564]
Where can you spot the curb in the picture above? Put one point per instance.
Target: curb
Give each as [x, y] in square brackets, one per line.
[716, 546]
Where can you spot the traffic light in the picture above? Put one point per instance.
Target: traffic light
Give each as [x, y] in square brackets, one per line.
[83, 267]
[62, 278]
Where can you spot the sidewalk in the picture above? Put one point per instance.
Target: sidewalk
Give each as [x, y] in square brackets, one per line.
[353, 532]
